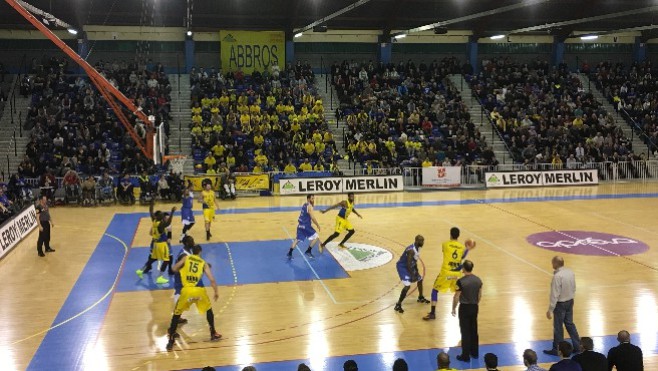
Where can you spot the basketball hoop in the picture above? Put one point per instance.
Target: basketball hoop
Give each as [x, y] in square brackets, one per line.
[176, 163]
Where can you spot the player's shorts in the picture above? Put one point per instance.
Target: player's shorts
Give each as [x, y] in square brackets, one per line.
[187, 216]
[342, 225]
[193, 295]
[306, 233]
[407, 277]
[160, 251]
[208, 215]
[446, 281]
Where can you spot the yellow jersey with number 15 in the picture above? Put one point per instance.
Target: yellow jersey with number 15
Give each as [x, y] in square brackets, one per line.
[192, 271]
[453, 252]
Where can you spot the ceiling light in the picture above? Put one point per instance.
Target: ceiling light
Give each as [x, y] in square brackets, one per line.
[401, 36]
[589, 37]
[189, 33]
[299, 34]
[497, 37]
[72, 31]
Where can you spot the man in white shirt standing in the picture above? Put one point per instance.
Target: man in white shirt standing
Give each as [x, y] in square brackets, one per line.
[560, 309]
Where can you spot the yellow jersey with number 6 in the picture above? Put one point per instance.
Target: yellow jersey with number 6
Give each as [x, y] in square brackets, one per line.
[192, 271]
[453, 252]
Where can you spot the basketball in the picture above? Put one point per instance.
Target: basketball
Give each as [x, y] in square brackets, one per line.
[470, 244]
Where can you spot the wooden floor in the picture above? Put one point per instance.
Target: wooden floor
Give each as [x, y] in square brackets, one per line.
[316, 319]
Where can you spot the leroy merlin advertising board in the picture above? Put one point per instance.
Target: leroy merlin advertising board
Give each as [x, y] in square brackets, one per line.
[251, 51]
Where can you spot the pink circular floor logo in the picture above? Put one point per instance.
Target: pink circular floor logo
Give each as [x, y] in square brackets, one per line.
[587, 243]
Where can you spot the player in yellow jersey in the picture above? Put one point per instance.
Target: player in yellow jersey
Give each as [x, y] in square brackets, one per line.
[342, 224]
[210, 205]
[454, 252]
[159, 244]
[191, 269]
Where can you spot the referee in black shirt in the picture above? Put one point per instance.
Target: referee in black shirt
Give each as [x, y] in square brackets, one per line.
[45, 222]
[467, 296]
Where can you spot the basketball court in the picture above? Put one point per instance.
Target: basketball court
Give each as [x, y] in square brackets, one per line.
[83, 307]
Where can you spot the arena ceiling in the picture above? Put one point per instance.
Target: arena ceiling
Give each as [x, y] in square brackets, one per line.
[209, 15]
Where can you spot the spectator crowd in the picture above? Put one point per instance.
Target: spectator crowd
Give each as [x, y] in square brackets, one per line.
[407, 115]
[271, 120]
[545, 115]
[632, 90]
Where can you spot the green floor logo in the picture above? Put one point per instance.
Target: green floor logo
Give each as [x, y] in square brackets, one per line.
[360, 256]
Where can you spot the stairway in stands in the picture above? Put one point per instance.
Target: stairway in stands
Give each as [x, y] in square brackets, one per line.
[481, 120]
[180, 139]
[7, 149]
[638, 145]
[327, 92]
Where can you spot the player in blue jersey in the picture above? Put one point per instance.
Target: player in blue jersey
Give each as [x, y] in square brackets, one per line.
[305, 229]
[187, 215]
[407, 267]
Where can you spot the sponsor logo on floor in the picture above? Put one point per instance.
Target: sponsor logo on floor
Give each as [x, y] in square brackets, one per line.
[587, 243]
[357, 256]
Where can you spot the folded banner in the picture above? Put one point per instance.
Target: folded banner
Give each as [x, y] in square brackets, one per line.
[542, 178]
[252, 182]
[442, 176]
[14, 230]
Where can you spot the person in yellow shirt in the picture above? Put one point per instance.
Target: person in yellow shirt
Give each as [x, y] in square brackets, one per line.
[309, 147]
[242, 99]
[262, 160]
[258, 139]
[454, 252]
[205, 102]
[270, 101]
[317, 137]
[223, 100]
[426, 162]
[319, 148]
[319, 165]
[290, 168]
[218, 150]
[210, 206]
[295, 127]
[257, 169]
[280, 108]
[218, 128]
[306, 166]
[230, 160]
[328, 137]
[211, 171]
[196, 119]
[196, 110]
[214, 109]
[254, 109]
[342, 224]
[196, 131]
[209, 161]
[318, 108]
[191, 269]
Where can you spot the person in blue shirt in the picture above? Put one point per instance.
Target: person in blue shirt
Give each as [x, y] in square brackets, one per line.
[305, 230]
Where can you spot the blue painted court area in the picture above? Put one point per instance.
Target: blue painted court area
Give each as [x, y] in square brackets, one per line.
[509, 354]
[254, 261]
[80, 319]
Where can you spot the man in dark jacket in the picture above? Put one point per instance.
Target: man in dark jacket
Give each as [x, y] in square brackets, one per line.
[626, 356]
[590, 360]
